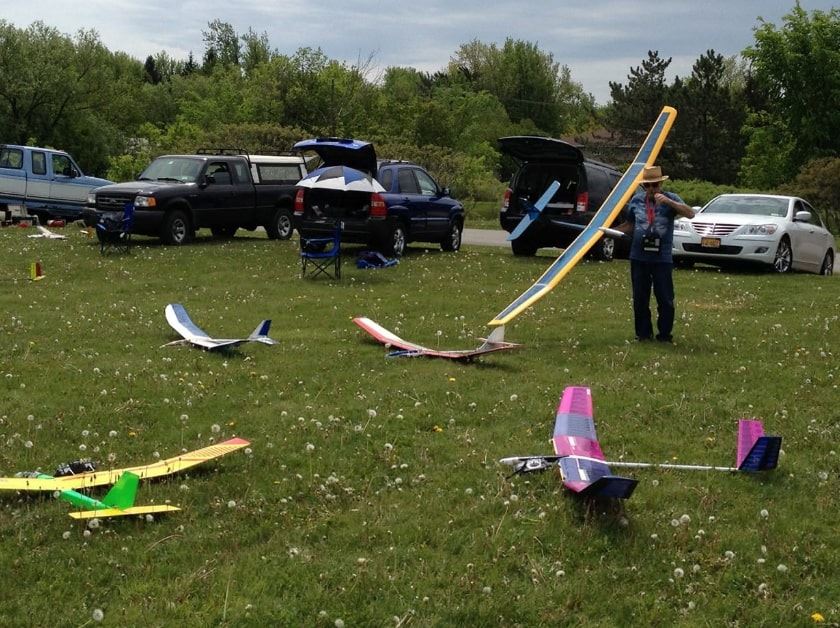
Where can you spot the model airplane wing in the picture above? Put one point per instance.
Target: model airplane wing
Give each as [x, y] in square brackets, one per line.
[533, 211]
[157, 469]
[181, 322]
[43, 232]
[495, 342]
[577, 451]
[603, 218]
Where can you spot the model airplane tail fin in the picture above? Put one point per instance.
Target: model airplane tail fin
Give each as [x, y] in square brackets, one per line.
[756, 452]
[121, 495]
[611, 486]
[260, 334]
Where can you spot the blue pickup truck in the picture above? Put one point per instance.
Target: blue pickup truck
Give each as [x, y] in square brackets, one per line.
[44, 182]
[413, 206]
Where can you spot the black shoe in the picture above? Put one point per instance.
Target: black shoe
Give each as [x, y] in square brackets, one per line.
[661, 338]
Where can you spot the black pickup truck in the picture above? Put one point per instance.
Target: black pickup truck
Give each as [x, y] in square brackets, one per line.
[178, 194]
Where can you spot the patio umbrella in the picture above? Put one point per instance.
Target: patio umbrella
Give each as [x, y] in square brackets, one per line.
[341, 178]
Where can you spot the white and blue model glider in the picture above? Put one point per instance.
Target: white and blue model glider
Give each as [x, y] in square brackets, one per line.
[192, 334]
[532, 212]
[604, 217]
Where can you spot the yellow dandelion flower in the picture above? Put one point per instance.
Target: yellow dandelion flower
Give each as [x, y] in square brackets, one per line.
[818, 618]
[437, 428]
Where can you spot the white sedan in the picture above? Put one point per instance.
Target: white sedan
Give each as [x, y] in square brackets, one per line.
[783, 232]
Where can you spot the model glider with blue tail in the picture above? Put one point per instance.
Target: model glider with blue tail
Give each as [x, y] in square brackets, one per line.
[180, 321]
[532, 212]
[585, 471]
[604, 217]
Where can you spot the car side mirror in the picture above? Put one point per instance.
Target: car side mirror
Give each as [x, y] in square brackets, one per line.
[445, 192]
[205, 180]
[802, 216]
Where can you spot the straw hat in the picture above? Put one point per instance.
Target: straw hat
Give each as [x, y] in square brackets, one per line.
[652, 174]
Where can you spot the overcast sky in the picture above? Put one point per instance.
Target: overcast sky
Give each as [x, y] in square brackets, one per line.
[599, 41]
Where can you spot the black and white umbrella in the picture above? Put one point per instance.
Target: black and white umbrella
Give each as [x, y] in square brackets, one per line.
[341, 178]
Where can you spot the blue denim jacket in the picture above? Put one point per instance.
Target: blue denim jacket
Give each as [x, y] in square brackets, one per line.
[663, 228]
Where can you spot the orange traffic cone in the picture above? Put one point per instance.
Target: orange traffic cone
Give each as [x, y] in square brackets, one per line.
[36, 271]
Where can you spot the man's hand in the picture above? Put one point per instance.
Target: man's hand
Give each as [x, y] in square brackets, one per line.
[681, 208]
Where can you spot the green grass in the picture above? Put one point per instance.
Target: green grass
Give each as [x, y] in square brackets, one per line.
[372, 492]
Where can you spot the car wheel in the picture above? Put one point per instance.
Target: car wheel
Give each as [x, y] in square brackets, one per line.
[223, 233]
[783, 262]
[452, 241]
[828, 263]
[605, 249]
[681, 262]
[396, 243]
[280, 227]
[176, 228]
[523, 248]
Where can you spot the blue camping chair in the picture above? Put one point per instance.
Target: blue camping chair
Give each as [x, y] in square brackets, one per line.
[321, 256]
[114, 230]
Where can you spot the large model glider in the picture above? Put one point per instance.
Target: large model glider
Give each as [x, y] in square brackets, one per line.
[532, 212]
[92, 478]
[192, 334]
[603, 218]
[495, 342]
[585, 471]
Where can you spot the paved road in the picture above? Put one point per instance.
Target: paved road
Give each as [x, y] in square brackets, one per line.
[486, 237]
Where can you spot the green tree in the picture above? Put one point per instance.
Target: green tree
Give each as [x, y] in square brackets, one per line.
[635, 106]
[712, 110]
[797, 66]
[221, 45]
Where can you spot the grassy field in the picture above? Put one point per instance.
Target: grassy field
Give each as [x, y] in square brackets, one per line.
[371, 494]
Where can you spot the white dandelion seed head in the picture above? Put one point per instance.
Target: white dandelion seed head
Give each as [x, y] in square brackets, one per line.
[678, 572]
[231, 504]
[112, 433]
[97, 614]
[248, 451]
[82, 447]
[65, 535]
[729, 554]
[389, 447]
[93, 523]
[86, 533]
[339, 623]
[371, 413]
[764, 513]
[514, 397]
[31, 417]
[149, 518]
[685, 519]
[487, 590]
[781, 568]
[28, 444]
[675, 522]
[310, 447]
[215, 428]
[468, 491]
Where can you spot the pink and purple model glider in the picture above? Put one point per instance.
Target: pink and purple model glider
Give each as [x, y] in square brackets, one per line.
[585, 470]
[495, 342]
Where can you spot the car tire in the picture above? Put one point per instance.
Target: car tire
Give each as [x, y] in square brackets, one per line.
[176, 228]
[783, 260]
[452, 241]
[281, 226]
[827, 267]
[681, 262]
[223, 233]
[604, 249]
[523, 248]
[395, 244]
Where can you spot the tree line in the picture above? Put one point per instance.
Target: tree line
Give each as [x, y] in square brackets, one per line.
[764, 120]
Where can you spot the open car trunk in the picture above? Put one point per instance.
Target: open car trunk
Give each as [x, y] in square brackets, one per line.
[534, 178]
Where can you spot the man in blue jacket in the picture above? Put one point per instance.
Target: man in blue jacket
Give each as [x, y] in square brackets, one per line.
[650, 215]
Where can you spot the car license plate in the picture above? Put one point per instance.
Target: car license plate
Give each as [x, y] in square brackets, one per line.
[710, 243]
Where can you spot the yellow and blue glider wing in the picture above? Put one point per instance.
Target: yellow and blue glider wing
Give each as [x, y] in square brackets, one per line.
[116, 512]
[157, 469]
[603, 218]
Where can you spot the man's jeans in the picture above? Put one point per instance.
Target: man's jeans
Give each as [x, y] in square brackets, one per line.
[657, 275]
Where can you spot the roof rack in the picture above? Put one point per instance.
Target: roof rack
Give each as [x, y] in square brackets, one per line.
[222, 151]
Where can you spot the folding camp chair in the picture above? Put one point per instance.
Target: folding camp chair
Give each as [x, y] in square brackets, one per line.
[114, 230]
[321, 255]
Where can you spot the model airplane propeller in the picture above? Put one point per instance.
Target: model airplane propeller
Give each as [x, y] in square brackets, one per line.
[494, 342]
[180, 321]
[119, 501]
[585, 470]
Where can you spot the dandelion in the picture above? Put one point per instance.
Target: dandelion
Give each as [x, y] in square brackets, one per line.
[231, 504]
[28, 444]
[764, 514]
[389, 447]
[112, 433]
[729, 554]
[782, 568]
[675, 523]
[371, 413]
[82, 447]
[65, 536]
[817, 618]
[514, 397]
[215, 428]
[93, 523]
[310, 447]
[685, 519]
[487, 590]
[339, 623]
[97, 614]
[678, 572]
[149, 518]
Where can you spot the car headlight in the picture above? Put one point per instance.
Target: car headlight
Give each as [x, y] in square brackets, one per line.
[145, 201]
[761, 229]
[91, 200]
[680, 225]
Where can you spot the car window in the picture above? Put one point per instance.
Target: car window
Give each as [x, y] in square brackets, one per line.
[39, 163]
[279, 173]
[408, 184]
[386, 178]
[240, 170]
[428, 187]
[61, 164]
[11, 158]
[220, 173]
[753, 205]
